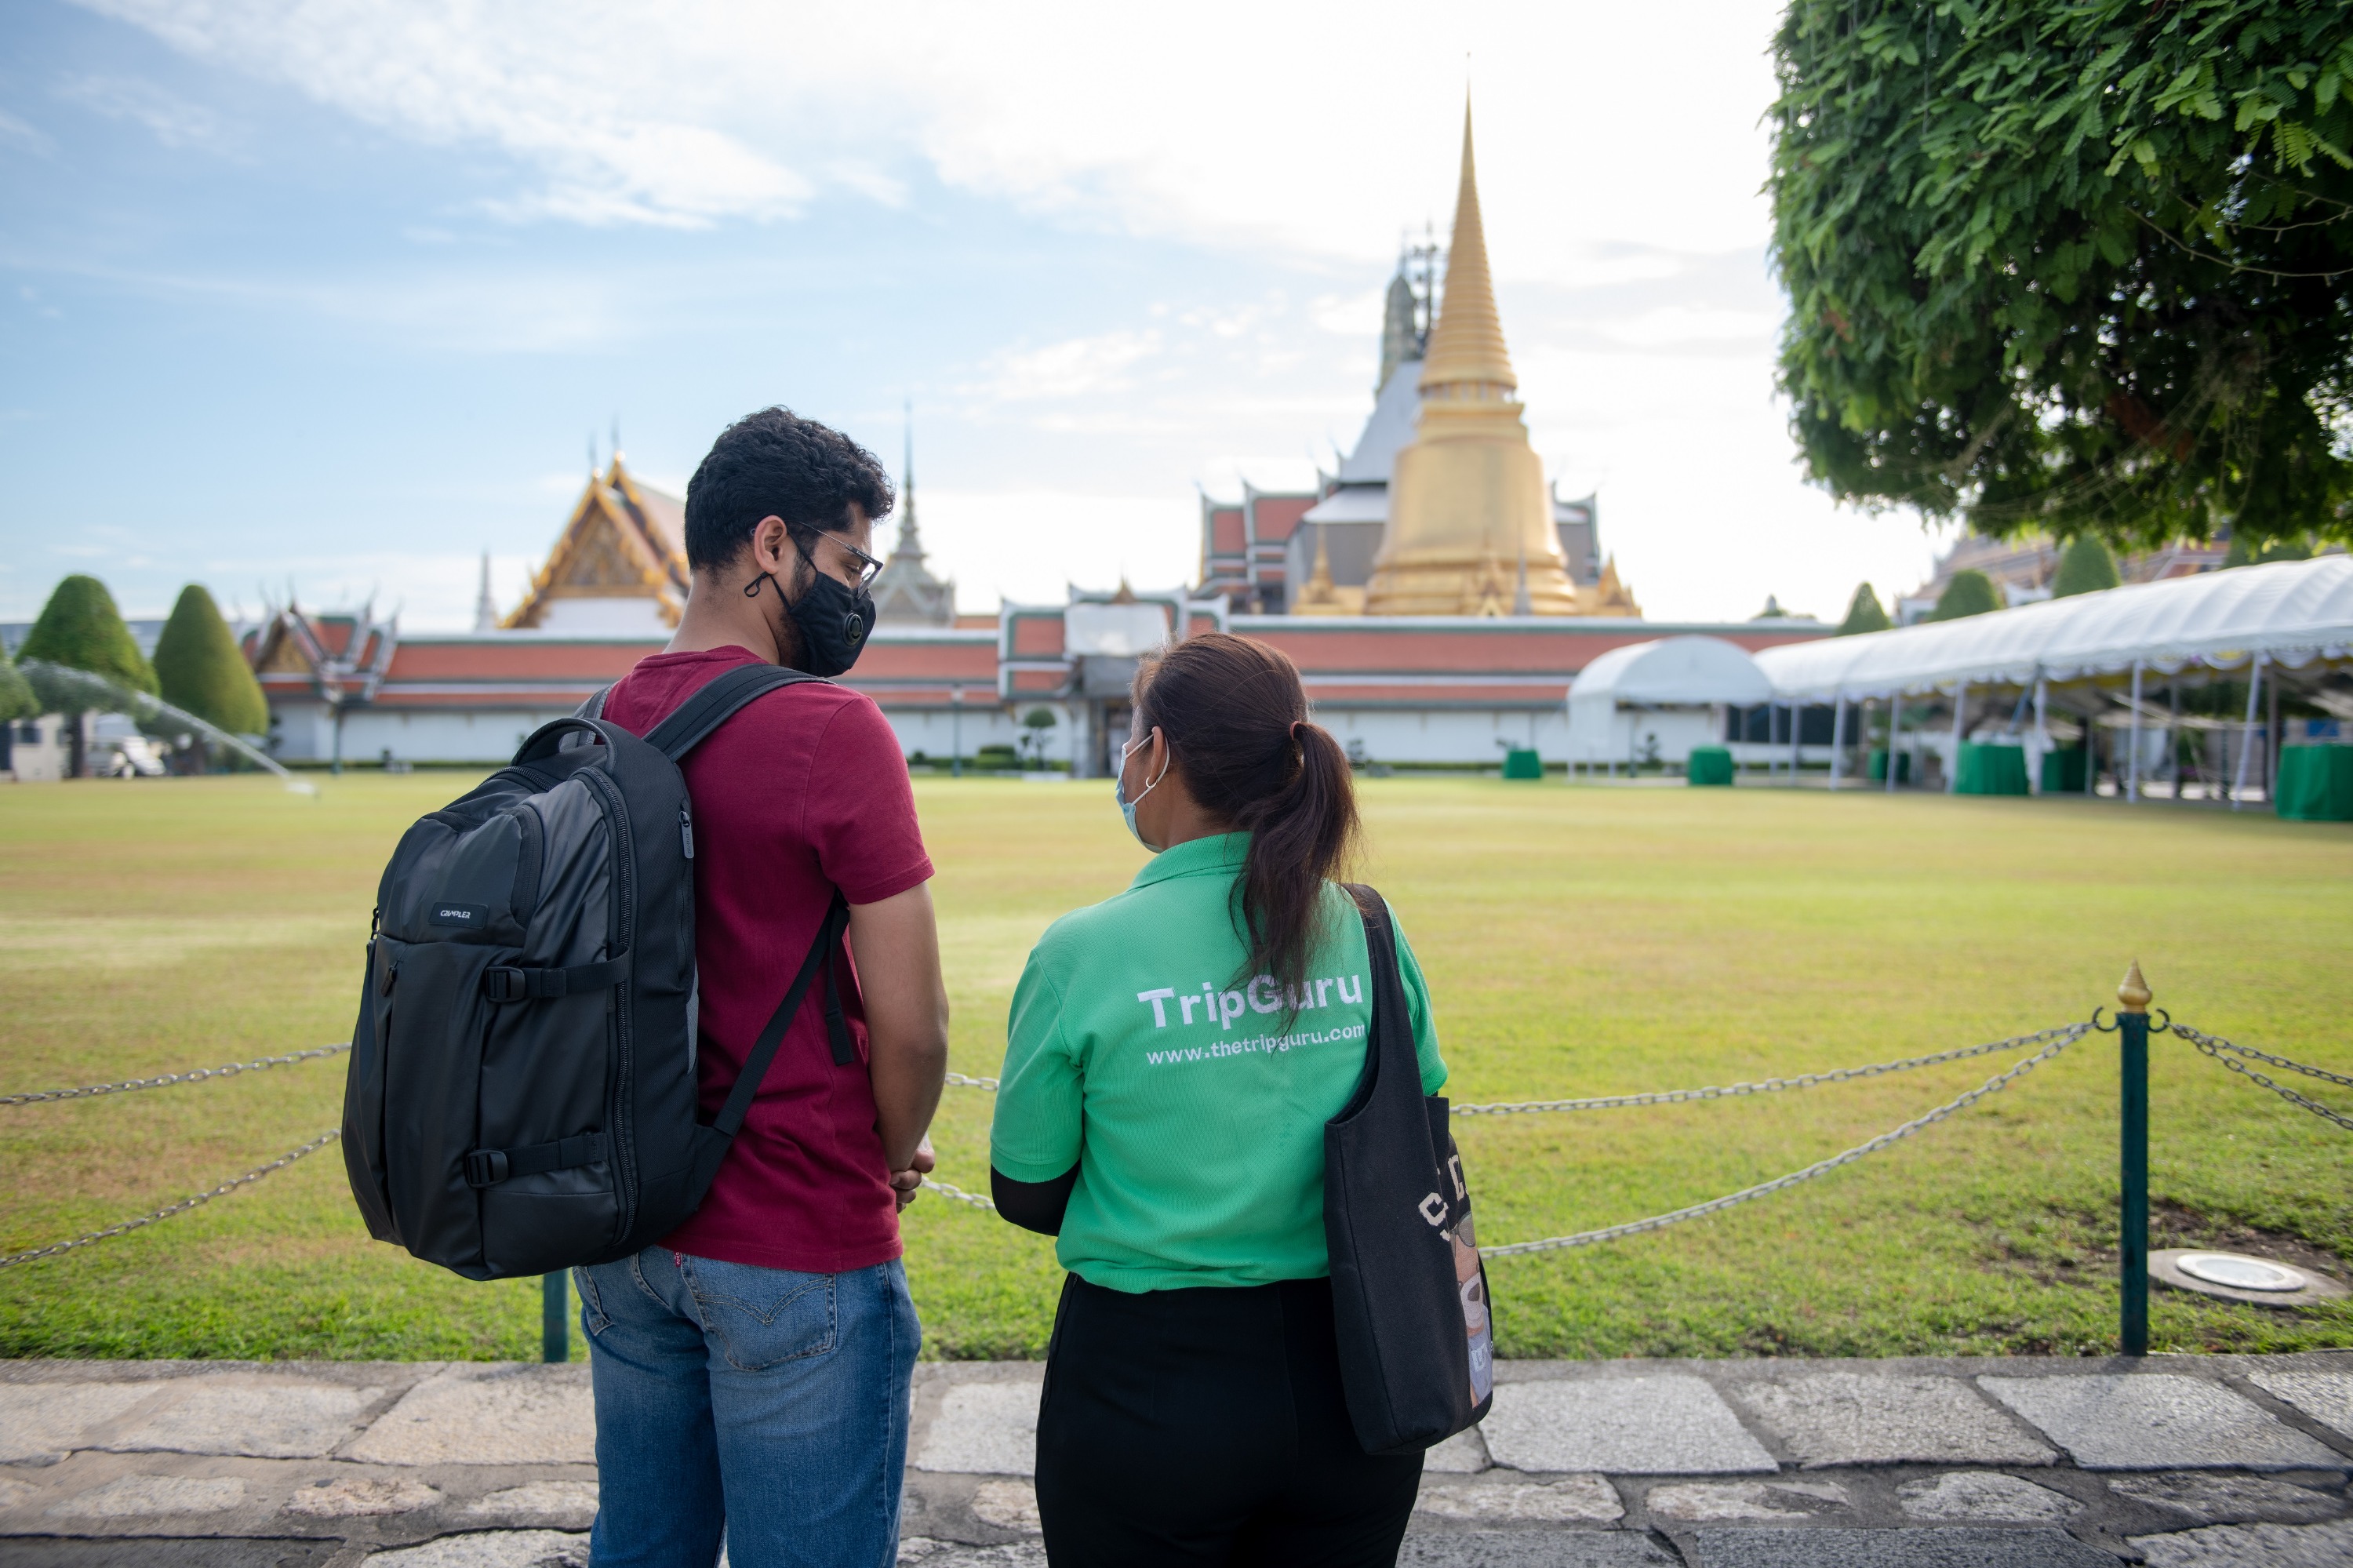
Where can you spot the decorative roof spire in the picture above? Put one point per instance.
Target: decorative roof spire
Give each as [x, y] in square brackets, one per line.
[1400, 340]
[486, 609]
[1467, 345]
[909, 542]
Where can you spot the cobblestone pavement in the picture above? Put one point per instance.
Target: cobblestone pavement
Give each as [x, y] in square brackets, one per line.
[2175, 1461]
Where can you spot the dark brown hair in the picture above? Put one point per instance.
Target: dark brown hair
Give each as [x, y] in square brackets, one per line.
[1236, 719]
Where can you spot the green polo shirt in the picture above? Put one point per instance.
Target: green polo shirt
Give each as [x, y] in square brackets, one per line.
[1194, 1116]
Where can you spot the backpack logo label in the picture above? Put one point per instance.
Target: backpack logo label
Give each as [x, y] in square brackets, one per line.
[466, 916]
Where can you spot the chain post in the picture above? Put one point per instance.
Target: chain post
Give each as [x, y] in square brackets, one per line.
[554, 1318]
[2132, 1036]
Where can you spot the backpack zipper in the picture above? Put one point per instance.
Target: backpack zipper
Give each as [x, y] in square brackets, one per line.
[610, 800]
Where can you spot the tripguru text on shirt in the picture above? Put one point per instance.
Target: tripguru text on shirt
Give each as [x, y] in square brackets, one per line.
[1210, 1007]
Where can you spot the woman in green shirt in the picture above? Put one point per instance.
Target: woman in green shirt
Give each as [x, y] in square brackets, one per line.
[1172, 1057]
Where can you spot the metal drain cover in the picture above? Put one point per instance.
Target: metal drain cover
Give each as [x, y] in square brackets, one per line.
[2239, 1272]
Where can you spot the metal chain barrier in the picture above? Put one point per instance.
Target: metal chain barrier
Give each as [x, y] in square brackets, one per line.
[1774, 1085]
[2056, 1041]
[128, 1085]
[182, 1207]
[957, 1080]
[2229, 1054]
[955, 1194]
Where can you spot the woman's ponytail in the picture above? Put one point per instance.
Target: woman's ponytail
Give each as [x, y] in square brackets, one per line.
[1236, 717]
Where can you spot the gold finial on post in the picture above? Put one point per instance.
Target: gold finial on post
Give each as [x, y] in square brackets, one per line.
[2133, 995]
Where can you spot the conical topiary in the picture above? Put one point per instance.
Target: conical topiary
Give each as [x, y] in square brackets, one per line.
[1969, 593]
[16, 699]
[2086, 567]
[80, 629]
[1864, 613]
[200, 669]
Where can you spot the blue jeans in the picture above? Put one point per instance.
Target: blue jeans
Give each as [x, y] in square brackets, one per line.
[768, 1405]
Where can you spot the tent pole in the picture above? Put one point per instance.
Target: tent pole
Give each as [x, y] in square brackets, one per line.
[1797, 757]
[1894, 717]
[2042, 733]
[2247, 733]
[2173, 733]
[1838, 740]
[2132, 789]
[2272, 748]
[1960, 712]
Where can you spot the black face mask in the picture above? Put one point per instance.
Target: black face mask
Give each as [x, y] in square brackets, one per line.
[832, 619]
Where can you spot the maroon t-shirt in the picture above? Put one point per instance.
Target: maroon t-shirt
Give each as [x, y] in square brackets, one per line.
[803, 792]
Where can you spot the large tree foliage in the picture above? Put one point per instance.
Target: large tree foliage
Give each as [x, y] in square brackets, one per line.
[80, 629]
[200, 669]
[2071, 266]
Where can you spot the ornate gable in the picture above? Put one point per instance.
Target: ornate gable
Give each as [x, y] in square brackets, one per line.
[623, 541]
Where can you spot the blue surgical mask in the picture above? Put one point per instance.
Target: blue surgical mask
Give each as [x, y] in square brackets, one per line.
[1119, 791]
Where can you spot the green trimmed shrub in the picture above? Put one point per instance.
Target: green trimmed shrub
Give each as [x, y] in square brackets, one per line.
[1864, 613]
[16, 699]
[2085, 568]
[80, 629]
[1969, 593]
[200, 668]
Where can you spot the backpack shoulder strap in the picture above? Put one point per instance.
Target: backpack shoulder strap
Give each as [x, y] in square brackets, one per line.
[717, 702]
[594, 708]
[764, 1050]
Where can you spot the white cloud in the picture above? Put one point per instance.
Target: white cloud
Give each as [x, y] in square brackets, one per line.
[1230, 121]
[1672, 324]
[171, 119]
[1078, 368]
[1029, 546]
[14, 132]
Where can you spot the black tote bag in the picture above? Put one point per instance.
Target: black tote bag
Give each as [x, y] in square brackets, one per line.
[1409, 1291]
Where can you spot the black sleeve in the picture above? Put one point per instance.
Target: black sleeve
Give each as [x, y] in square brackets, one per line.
[1033, 1206]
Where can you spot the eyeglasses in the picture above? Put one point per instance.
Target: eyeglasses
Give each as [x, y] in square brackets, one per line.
[869, 568]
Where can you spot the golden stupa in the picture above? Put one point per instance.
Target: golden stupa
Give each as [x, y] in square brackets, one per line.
[1470, 521]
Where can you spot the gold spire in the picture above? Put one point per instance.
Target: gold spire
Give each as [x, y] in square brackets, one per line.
[1467, 345]
[1468, 494]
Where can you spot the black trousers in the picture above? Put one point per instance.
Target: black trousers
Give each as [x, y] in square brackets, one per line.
[1207, 1426]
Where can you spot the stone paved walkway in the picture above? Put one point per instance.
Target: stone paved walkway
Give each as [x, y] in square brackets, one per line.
[2179, 1462]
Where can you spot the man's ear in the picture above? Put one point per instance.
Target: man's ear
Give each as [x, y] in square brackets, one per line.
[772, 547]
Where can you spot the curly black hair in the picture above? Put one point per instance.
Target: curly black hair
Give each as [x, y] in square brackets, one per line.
[776, 464]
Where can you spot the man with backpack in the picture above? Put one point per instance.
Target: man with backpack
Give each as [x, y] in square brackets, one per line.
[752, 1368]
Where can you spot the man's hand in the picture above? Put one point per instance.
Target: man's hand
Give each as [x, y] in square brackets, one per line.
[905, 1182]
[897, 951]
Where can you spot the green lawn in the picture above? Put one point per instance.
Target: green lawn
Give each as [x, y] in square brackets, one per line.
[1579, 940]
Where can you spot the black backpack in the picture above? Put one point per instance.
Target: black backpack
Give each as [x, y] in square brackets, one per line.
[522, 1093]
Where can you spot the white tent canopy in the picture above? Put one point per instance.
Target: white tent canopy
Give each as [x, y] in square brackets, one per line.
[2291, 613]
[1653, 701]
[1674, 671]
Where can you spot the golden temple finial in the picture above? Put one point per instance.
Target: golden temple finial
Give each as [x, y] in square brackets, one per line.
[2134, 995]
[1467, 345]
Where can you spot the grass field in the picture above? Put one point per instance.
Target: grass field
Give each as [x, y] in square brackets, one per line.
[1578, 942]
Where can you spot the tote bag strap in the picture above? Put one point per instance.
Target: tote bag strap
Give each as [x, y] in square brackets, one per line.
[1388, 1044]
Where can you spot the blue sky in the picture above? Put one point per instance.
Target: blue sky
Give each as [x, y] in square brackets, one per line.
[335, 292]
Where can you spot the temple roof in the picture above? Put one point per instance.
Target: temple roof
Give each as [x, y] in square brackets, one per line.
[1389, 430]
[1467, 345]
[624, 540]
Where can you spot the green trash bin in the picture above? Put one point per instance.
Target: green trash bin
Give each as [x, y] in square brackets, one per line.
[1879, 766]
[1990, 770]
[2315, 783]
[1519, 764]
[1710, 766]
[2062, 772]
